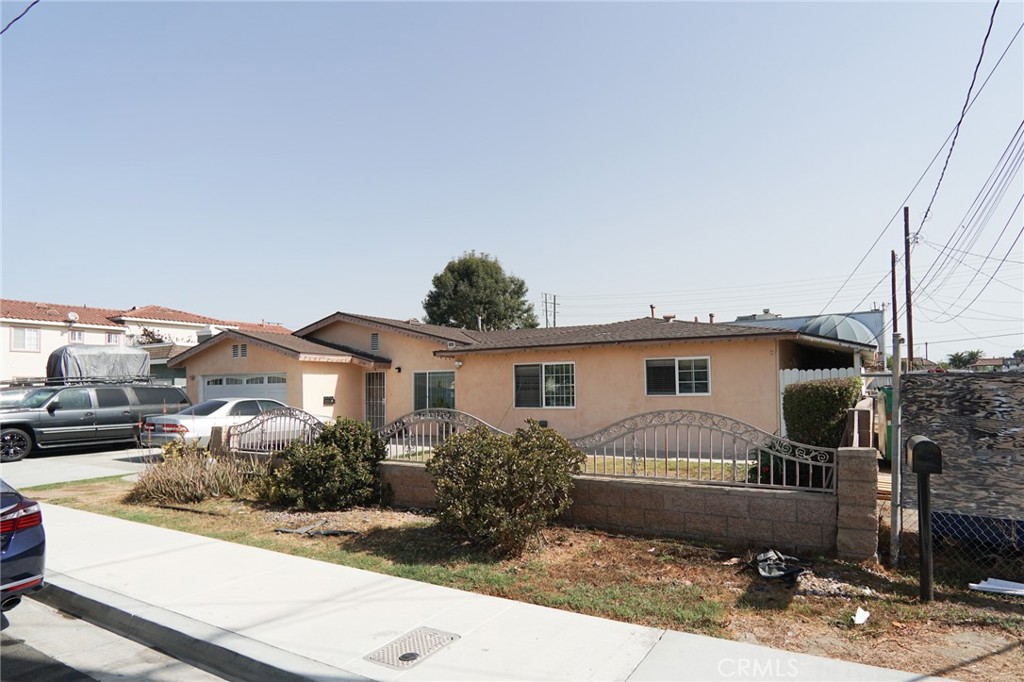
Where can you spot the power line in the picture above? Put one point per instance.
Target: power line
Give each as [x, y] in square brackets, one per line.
[920, 179]
[963, 113]
[23, 13]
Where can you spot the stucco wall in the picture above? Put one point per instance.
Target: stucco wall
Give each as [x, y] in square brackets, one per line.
[610, 384]
[342, 381]
[408, 355]
[17, 363]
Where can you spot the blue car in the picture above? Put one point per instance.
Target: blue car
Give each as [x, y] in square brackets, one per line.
[22, 546]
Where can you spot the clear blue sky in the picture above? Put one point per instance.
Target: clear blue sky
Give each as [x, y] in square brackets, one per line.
[282, 161]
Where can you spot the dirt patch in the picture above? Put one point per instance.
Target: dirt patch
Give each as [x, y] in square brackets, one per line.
[655, 582]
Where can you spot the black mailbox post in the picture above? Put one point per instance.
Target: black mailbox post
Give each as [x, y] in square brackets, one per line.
[925, 459]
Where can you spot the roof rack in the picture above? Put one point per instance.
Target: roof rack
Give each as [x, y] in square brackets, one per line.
[27, 382]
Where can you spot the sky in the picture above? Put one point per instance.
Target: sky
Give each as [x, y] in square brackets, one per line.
[281, 161]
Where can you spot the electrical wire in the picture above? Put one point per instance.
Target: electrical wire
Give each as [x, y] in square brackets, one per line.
[23, 13]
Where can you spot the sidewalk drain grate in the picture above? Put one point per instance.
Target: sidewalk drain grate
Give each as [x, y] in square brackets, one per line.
[411, 648]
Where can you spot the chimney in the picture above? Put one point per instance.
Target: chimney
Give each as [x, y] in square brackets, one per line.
[695, 319]
[652, 310]
[711, 318]
[668, 318]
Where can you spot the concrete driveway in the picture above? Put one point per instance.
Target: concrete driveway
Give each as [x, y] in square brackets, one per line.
[59, 466]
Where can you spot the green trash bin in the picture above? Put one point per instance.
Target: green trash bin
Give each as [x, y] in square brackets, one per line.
[887, 394]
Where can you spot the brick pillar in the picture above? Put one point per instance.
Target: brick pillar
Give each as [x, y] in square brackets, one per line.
[857, 496]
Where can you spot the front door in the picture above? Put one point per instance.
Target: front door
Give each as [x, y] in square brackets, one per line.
[375, 413]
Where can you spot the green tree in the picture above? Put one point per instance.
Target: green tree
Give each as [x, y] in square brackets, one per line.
[474, 291]
[1018, 355]
[964, 359]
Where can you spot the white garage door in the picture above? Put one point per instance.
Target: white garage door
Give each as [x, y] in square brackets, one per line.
[273, 386]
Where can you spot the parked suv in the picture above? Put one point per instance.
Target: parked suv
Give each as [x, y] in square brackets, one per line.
[84, 414]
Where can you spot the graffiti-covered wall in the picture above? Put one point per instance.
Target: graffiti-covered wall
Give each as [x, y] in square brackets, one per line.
[978, 421]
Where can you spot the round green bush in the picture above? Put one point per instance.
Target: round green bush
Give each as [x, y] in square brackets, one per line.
[815, 411]
[500, 490]
[339, 470]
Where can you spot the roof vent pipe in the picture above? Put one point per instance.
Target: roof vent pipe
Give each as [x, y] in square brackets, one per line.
[652, 310]
[711, 318]
[668, 318]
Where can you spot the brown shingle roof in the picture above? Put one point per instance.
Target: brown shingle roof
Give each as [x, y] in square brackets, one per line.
[460, 336]
[631, 331]
[295, 346]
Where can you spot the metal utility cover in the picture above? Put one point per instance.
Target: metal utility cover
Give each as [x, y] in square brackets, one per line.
[411, 648]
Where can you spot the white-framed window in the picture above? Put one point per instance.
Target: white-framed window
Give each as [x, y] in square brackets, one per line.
[113, 339]
[678, 376]
[240, 350]
[25, 339]
[76, 336]
[549, 384]
[433, 390]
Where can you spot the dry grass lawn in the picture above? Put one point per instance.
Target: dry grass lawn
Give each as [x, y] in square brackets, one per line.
[656, 582]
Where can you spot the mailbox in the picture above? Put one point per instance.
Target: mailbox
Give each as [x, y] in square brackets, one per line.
[924, 456]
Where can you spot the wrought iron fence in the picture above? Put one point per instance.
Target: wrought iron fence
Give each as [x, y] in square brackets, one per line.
[669, 445]
[273, 430]
[710, 448]
[412, 438]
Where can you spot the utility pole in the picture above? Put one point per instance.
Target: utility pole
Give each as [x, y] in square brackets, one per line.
[546, 325]
[906, 265]
[895, 305]
[554, 310]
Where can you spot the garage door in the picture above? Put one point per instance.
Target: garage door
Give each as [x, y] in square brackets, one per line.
[273, 386]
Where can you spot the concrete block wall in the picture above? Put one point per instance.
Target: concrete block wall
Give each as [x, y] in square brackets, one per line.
[803, 523]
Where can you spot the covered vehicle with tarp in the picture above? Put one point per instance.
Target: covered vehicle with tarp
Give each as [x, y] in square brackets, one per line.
[82, 362]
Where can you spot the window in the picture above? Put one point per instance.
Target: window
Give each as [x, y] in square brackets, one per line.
[75, 399]
[678, 376]
[23, 338]
[111, 397]
[374, 341]
[255, 380]
[113, 339]
[214, 382]
[277, 380]
[232, 381]
[75, 336]
[433, 390]
[240, 350]
[545, 385]
[246, 408]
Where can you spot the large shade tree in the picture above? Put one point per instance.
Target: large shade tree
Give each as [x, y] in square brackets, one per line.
[474, 292]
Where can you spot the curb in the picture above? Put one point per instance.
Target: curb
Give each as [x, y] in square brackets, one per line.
[215, 650]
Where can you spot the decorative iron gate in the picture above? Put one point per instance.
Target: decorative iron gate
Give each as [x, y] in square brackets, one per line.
[272, 430]
[414, 436]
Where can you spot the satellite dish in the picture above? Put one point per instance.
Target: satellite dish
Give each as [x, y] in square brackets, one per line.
[73, 316]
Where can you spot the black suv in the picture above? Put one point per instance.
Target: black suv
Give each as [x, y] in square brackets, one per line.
[84, 414]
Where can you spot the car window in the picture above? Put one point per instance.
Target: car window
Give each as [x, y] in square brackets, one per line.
[270, 405]
[37, 397]
[75, 399]
[160, 395]
[205, 408]
[246, 408]
[110, 397]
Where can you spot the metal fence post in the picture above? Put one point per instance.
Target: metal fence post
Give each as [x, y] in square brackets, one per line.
[895, 459]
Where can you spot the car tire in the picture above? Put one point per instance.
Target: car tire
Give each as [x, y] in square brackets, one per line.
[15, 445]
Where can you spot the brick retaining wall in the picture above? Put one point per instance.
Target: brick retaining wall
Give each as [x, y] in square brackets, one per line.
[844, 523]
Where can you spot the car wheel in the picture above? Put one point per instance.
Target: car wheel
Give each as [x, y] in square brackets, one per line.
[15, 444]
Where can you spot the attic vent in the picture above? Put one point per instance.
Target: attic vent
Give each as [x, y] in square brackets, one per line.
[668, 318]
[451, 345]
[374, 341]
[240, 350]
[413, 320]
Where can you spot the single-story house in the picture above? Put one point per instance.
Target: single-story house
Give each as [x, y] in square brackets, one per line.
[577, 379]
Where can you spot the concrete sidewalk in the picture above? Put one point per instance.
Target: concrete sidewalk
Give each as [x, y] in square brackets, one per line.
[251, 614]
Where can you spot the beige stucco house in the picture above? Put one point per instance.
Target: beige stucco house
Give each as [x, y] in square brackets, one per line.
[576, 379]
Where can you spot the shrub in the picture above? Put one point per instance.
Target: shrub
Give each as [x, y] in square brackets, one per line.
[189, 474]
[815, 411]
[340, 469]
[501, 490]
